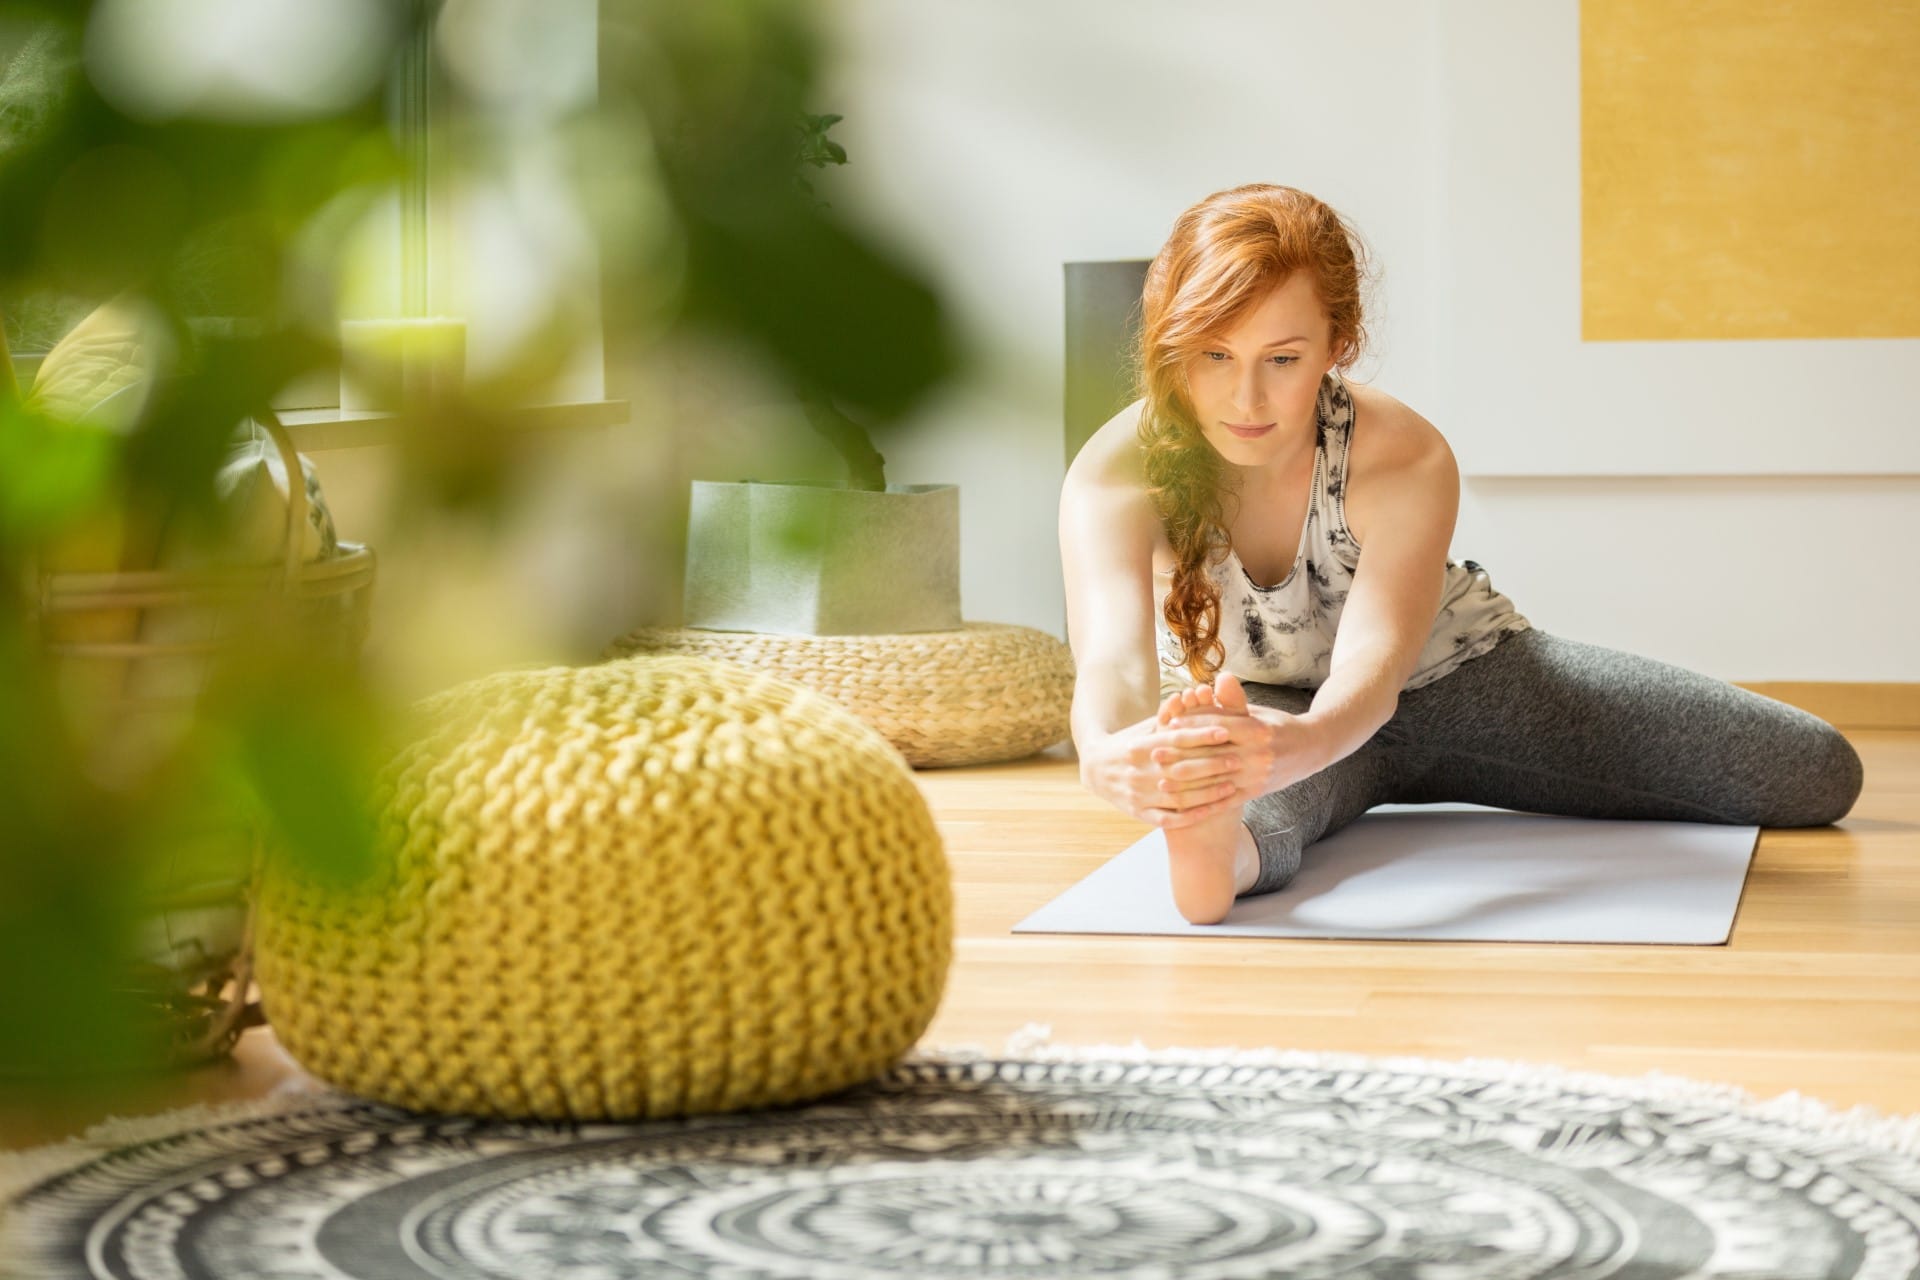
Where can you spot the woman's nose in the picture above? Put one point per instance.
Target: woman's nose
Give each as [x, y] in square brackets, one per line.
[1247, 393]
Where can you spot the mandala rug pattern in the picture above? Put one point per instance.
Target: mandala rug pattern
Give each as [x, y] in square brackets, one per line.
[1112, 1162]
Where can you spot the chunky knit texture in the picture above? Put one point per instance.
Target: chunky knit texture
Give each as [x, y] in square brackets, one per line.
[986, 691]
[656, 886]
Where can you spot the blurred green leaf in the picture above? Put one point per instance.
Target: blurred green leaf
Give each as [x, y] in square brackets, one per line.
[66, 910]
[240, 232]
[52, 474]
[308, 741]
[191, 420]
[815, 147]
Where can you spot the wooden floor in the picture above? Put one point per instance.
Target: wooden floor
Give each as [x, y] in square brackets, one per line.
[1817, 991]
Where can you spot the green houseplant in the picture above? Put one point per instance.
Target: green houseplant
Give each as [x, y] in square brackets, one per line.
[864, 558]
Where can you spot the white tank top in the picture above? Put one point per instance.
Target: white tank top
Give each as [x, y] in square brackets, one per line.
[1283, 634]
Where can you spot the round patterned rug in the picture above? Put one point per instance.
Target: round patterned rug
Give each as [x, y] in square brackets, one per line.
[1041, 1161]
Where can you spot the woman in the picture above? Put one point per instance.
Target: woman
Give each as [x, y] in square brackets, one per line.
[1220, 521]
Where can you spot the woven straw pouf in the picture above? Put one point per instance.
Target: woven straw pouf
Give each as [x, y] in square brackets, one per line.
[989, 691]
[651, 887]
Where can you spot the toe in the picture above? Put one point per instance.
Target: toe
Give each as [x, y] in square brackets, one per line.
[1230, 693]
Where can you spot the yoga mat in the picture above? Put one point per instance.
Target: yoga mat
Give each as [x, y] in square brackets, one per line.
[1455, 873]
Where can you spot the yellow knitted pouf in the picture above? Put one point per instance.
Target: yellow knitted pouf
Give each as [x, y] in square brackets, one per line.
[656, 886]
[988, 691]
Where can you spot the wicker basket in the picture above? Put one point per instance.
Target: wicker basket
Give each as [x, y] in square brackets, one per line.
[197, 976]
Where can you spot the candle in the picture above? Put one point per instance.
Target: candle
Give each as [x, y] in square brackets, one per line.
[387, 365]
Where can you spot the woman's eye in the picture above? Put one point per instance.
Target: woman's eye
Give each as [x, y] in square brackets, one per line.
[1217, 356]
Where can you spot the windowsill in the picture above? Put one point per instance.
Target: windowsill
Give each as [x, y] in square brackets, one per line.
[314, 430]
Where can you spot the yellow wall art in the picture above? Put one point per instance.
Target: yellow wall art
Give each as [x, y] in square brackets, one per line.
[1750, 169]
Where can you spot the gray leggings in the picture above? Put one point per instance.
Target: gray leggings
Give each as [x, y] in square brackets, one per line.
[1544, 724]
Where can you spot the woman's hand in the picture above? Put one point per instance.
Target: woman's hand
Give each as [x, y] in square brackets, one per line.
[1275, 748]
[1122, 769]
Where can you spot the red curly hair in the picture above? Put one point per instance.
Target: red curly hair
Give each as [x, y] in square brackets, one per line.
[1224, 256]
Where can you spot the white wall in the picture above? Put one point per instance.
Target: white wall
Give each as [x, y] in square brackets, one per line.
[1509, 127]
[999, 140]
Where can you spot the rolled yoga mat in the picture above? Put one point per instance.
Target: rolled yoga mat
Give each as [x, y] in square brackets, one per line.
[1454, 873]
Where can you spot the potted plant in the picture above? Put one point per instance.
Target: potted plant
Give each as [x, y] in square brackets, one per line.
[800, 558]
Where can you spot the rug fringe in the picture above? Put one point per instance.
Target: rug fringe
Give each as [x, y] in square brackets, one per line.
[30, 1166]
[1894, 1132]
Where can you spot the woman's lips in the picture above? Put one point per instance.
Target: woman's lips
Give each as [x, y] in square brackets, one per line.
[1247, 433]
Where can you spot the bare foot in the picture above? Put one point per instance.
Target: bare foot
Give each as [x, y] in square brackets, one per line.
[1212, 862]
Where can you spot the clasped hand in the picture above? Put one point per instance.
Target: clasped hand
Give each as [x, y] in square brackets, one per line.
[1206, 751]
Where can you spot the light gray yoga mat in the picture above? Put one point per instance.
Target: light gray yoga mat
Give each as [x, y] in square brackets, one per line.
[1452, 872]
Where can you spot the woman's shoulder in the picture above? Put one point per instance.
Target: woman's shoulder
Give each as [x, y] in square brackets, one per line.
[1108, 477]
[1111, 454]
[1386, 430]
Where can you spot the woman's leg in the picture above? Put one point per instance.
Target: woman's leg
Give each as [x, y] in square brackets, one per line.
[1545, 724]
[1285, 822]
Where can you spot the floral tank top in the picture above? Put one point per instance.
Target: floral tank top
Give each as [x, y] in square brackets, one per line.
[1283, 634]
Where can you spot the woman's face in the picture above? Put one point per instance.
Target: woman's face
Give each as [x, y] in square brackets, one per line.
[1264, 375]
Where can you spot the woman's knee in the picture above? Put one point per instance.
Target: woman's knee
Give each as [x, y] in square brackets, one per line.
[1812, 778]
[1832, 782]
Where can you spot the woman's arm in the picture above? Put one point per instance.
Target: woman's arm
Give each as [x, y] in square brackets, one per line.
[1409, 498]
[1107, 528]
[1107, 562]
